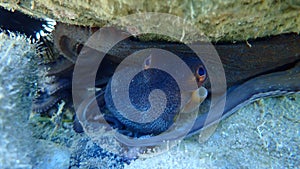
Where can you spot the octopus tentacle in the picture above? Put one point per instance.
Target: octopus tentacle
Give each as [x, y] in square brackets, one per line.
[44, 103]
[59, 85]
[272, 84]
[244, 65]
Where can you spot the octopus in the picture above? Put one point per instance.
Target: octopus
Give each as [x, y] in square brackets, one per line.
[261, 67]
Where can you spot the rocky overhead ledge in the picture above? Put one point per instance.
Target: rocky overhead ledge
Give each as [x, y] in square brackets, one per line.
[219, 20]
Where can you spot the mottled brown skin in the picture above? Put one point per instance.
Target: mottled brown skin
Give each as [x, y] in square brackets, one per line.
[250, 67]
[271, 84]
[241, 60]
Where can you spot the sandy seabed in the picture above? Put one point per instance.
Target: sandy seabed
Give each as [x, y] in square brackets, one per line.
[264, 134]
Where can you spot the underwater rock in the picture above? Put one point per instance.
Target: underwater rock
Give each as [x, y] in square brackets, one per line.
[87, 154]
[219, 20]
[264, 134]
[50, 155]
[18, 75]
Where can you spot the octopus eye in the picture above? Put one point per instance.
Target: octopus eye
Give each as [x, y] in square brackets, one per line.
[200, 74]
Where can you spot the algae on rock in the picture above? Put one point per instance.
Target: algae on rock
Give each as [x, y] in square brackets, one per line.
[17, 77]
[219, 20]
[19, 74]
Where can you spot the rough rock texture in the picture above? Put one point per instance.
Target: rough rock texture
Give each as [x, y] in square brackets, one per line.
[18, 77]
[26, 143]
[264, 134]
[217, 19]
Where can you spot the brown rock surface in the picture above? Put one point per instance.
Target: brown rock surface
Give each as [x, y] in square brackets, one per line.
[218, 19]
